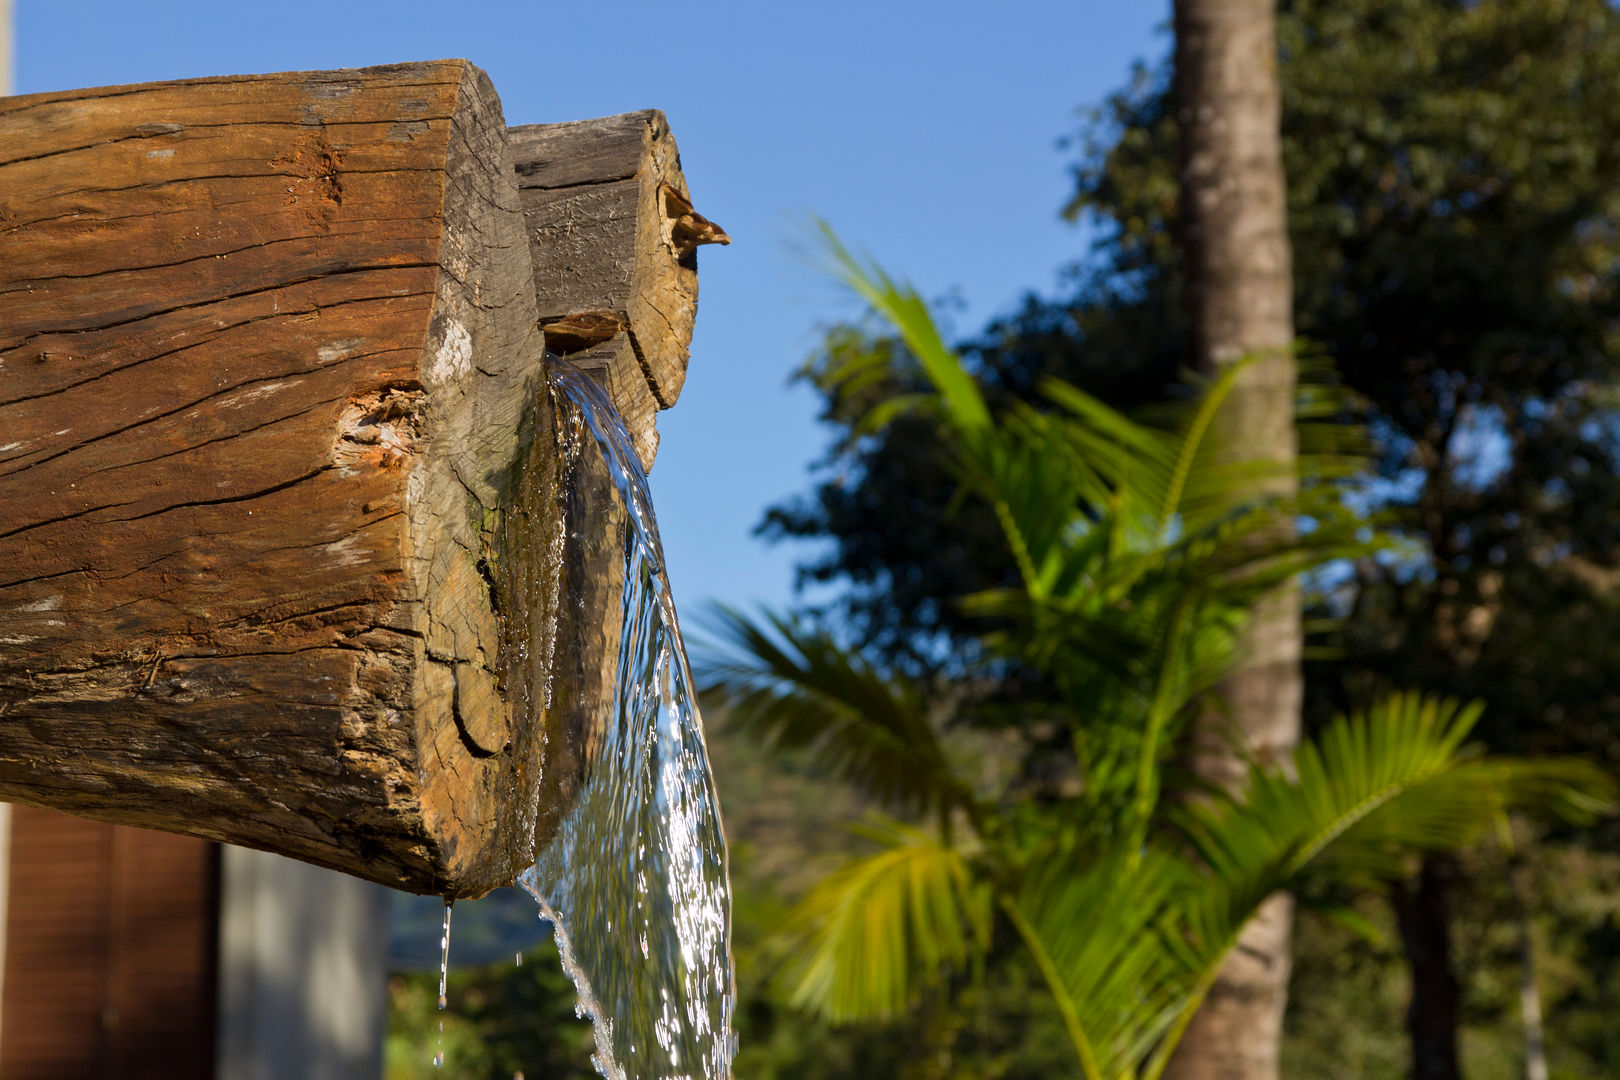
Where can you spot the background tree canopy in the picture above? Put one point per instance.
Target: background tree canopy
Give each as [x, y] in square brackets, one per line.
[1453, 209]
[1454, 199]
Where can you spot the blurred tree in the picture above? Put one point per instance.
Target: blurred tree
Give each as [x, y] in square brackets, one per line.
[1454, 210]
[1140, 551]
[503, 1021]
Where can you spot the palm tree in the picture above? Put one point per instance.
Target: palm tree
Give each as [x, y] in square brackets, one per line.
[1139, 553]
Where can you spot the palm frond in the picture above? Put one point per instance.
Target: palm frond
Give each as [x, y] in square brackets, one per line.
[908, 313]
[791, 684]
[1377, 787]
[881, 928]
[1105, 930]
[1133, 935]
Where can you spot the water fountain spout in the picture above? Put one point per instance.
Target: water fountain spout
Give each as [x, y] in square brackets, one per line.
[277, 550]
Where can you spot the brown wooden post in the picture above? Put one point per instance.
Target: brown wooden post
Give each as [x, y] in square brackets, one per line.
[279, 489]
[113, 959]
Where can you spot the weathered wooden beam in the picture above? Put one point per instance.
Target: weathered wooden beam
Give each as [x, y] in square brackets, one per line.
[613, 240]
[279, 518]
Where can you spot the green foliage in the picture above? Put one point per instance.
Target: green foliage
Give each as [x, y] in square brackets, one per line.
[1348, 991]
[800, 690]
[501, 1020]
[1371, 789]
[1454, 211]
[1138, 554]
[786, 828]
[883, 926]
[1454, 250]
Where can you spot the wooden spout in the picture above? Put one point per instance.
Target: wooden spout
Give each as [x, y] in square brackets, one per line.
[612, 236]
[280, 487]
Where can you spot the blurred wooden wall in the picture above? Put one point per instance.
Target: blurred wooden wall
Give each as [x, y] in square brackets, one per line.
[111, 952]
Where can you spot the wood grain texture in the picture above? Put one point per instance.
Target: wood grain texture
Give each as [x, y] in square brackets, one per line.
[613, 238]
[268, 371]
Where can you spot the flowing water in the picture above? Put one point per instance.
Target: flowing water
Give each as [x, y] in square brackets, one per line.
[444, 982]
[634, 879]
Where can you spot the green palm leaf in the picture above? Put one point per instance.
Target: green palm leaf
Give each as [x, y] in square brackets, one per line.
[1101, 929]
[791, 684]
[1133, 937]
[1377, 787]
[908, 313]
[879, 929]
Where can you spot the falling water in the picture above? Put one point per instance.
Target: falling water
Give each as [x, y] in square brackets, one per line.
[634, 880]
[444, 982]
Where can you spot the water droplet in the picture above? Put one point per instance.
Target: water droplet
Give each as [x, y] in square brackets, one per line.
[444, 981]
[444, 955]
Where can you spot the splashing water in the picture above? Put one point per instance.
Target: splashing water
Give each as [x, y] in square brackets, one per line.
[634, 880]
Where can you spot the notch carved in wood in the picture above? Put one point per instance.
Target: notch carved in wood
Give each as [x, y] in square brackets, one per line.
[574, 333]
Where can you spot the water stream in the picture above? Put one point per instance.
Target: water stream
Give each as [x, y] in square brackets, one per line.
[634, 878]
[444, 982]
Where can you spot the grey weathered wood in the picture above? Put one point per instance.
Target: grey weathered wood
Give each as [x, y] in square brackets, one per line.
[613, 239]
[268, 368]
[581, 672]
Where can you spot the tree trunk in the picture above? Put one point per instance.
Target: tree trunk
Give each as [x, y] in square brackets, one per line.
[1423, 916]
[1234, 240]
[281, 520]
[1535, 1033]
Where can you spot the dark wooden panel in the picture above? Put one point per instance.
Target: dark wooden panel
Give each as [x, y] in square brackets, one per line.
[111, 945]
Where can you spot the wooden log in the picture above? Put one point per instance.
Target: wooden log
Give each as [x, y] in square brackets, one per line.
[271, 415]
[613, 240]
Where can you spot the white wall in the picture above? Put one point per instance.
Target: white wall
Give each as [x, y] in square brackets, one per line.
[303, 971]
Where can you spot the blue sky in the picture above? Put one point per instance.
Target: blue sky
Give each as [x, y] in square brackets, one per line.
[926, 133]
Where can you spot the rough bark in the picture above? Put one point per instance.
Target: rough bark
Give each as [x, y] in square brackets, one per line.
[1423, 917]
[268, 369]
[1239, 304]
[613, 239]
